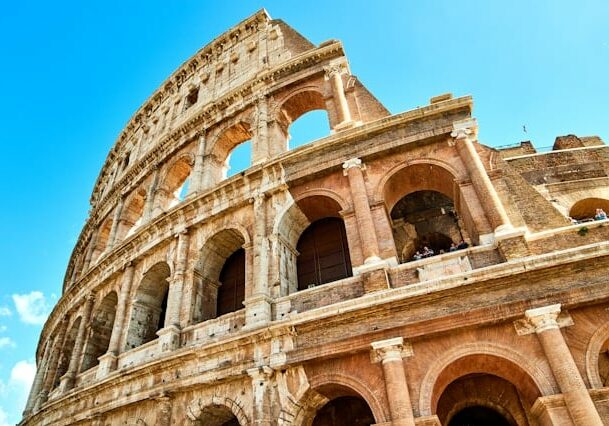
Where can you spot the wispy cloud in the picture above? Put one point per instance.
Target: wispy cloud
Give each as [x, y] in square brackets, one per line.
[7, 342]
[33, 308]
[16, 389]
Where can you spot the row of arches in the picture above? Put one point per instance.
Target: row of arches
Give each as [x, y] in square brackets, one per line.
[231, 152]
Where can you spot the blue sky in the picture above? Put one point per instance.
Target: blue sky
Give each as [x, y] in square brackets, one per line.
[72, 73]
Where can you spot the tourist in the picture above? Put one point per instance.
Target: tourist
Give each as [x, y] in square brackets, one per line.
[462, 245]
[600, 215]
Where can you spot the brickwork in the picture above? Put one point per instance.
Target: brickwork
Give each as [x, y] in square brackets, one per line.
[516, 322]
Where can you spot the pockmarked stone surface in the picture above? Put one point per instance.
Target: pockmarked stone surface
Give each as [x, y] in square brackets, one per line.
[395, 272]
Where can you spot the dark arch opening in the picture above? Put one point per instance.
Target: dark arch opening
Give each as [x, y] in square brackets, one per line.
[587, 208]
[231, 292]
[603, 363]
[149, 306]
[345, 410]
[425, 219]
[323, 253]
[101, 331]
[478, 415]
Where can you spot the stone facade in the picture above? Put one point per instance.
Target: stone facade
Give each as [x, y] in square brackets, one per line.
[516, 325]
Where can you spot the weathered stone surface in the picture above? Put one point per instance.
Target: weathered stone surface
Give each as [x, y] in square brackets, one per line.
[182, 307]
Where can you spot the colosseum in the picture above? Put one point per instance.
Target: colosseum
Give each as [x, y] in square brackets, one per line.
[394, 272]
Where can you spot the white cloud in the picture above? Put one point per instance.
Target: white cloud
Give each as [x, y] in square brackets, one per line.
[32, 308]
[7, 342]
[5, 311]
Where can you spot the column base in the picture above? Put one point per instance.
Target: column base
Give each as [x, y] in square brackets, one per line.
[169, 338]
[346, 125]
[257, 312]
[66, 382]
[107, 364]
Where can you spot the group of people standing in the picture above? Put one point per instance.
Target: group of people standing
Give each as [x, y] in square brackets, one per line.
[427, 252]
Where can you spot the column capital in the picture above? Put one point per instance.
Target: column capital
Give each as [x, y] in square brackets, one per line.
[390, 350]
[464, 129]
[353, 162]
[333, 69]
[544, 318]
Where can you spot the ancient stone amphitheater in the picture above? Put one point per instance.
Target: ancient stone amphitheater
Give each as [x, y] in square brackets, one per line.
[292, 293]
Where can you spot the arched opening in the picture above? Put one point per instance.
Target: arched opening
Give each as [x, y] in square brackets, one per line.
[312, 244]
[303, 118]
[216, 415]
[488, 381]
[239, 159]
[586, 209]
[478, 415]
[603, 363]
[102, 322]
[425, 221]
[344, 407]
[427, 208]
[220, 275]
[323, 253]
[232, 151]
[231, 292]
[479, 400]
[175, 184]
[310, 127]
[149, 306]
[131, 216]
[101, 241]
[66, 352]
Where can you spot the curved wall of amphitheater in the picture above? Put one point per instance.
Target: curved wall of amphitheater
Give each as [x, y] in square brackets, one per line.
[293, 292]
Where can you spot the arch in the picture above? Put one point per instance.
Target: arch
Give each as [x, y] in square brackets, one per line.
[425, 220]
[295, 218]
[323, 253]
[586, 208]
[419, 175]
[102, 322]
[598, 341]
[176, 177]
[148, 306]
[215, 411]
[332, 385]
[213, 256]
[131, 215]
[476, 358]
[102, 239]
[66, 351]
[224, 144]
[296, 105]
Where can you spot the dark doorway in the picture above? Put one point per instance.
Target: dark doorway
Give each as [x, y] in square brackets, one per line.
[231, 293]
[478, 415]
[323, 253]
[161, 323]
[344, 411]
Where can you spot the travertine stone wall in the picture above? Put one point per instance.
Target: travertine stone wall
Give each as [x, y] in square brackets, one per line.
[518, 322]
